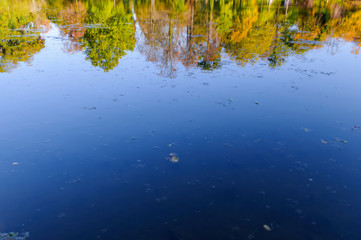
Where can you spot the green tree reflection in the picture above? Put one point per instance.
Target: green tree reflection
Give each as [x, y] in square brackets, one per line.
[110, 33]
[18, 41]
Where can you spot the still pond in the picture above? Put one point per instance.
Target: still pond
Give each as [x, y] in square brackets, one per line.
[180, 119]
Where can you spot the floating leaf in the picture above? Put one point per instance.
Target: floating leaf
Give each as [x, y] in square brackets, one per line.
[267, 228]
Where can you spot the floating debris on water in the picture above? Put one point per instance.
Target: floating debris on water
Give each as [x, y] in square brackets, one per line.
[132, 139]
[15, 163]
[250, 236]
[341, 140]
[255, 102]
[267, 228]
[173, 158]
[14, 236]
[89, 108]
[161, 199]
[323, 141]
[305, 129]
[298, 211]
[225, 102]
[357, 128]
[76, 180]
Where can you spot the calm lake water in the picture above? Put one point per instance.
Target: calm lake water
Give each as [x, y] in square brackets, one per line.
[171, 120]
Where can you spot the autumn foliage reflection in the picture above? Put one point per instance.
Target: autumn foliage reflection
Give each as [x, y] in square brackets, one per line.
[188, 33]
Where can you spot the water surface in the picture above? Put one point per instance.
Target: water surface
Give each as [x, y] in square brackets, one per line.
[258, 100]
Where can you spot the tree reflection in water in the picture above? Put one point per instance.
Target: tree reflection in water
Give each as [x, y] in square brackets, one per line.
[196, 34]
[19, 39]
